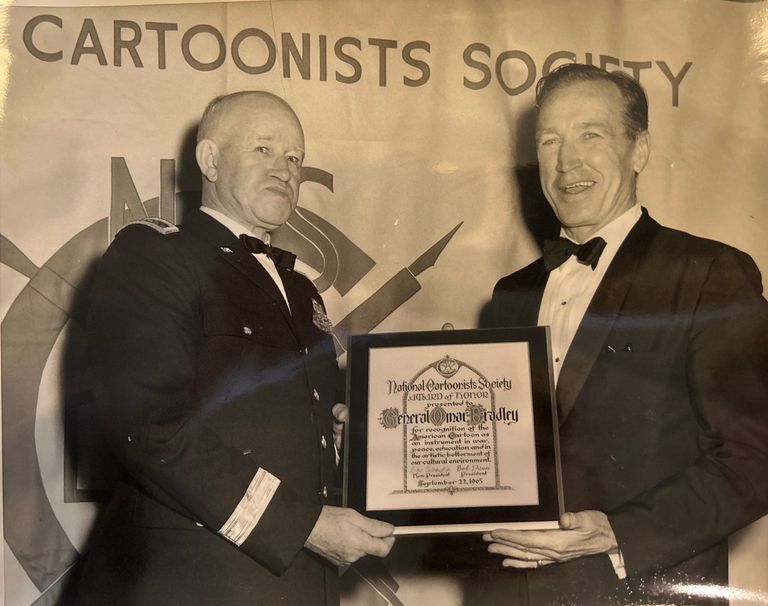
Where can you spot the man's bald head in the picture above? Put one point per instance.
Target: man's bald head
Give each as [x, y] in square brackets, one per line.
[228, 111]
[250, 148]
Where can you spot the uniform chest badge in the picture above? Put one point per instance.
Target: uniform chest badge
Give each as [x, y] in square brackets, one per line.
[320, 319]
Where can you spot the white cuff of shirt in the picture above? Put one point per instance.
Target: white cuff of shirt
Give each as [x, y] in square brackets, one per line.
[617, 561]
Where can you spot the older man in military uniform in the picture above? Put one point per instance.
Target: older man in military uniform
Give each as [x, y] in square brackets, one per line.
[214, 378]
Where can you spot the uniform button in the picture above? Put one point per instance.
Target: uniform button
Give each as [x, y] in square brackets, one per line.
[317, 395]
[247, 330]
[323, 442]
[325, 492]
[198, 524]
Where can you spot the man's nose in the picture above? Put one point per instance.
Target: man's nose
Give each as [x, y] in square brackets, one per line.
[280, 168]
[568, 157]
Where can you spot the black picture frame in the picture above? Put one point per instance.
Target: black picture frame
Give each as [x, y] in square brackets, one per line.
[448, 519]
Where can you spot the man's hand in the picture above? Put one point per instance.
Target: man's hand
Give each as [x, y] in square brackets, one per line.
[582, 533]
[340, 416]
[343, 536]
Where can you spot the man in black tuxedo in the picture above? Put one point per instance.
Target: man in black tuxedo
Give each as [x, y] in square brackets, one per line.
[660, 354]
[215, 381]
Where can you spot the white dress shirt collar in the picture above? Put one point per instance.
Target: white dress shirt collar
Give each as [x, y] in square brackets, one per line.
[235, 227]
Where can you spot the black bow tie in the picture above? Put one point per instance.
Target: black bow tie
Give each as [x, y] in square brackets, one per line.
[281, 257]
[556, 252]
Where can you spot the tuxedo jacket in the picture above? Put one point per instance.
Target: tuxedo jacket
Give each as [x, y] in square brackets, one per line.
[203, 376]
[663, 413]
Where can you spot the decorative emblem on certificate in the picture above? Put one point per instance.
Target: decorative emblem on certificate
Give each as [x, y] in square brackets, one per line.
[457, 432]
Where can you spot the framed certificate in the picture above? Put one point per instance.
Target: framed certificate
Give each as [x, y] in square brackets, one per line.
[453, 431]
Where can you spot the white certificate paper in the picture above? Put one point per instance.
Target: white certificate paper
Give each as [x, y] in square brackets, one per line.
[450, 430]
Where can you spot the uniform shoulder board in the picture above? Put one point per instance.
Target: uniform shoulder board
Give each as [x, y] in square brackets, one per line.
[156, 223]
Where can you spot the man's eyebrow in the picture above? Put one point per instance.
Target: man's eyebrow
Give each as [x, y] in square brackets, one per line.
[271, 138]
[543, 131]
[603, 125]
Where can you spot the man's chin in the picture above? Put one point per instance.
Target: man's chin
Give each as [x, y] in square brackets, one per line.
[571, 217]
[276, 222]
[279, 215]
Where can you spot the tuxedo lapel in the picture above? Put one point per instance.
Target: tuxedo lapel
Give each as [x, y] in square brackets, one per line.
[601, 314]
[232, 251]
[517, 298]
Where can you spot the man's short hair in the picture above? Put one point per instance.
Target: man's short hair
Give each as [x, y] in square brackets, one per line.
[635, 99]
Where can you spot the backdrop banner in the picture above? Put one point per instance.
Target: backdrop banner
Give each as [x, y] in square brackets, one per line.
[419, 190]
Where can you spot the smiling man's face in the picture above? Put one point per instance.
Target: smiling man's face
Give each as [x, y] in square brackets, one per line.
[587, 162]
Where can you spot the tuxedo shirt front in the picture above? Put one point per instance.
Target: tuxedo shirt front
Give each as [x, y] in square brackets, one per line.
[572, 285]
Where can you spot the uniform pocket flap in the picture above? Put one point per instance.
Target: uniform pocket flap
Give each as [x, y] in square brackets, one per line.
[232, 321]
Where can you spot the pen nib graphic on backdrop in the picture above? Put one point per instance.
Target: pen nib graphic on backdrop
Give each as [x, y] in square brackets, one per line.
[401, 287]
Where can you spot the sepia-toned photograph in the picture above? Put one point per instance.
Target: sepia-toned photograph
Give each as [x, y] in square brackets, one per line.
[384, 302]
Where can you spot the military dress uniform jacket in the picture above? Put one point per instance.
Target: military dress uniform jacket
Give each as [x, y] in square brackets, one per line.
[663, 405]
[217, 400]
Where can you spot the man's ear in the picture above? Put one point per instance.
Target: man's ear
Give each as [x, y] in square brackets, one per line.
[207, 154]
[642, 151]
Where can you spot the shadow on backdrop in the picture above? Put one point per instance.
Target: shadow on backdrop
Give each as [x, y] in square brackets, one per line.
[91, 472]
[536, 212]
